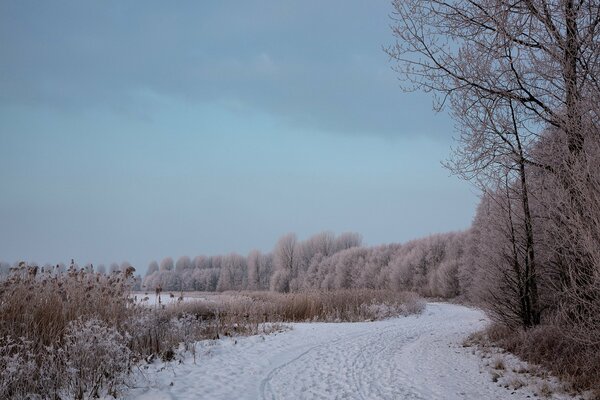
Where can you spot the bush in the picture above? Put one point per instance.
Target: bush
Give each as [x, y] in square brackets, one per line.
[96, 358]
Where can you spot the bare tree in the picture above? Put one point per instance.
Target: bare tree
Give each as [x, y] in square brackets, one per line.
[542, 55]
[493, 152]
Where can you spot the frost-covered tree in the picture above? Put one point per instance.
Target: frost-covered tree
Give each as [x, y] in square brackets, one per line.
[285, 262]
[183, 263]
[225, 278]
[152, 268]
[253, 261]
[347, 240]
[200, 262]
[166, 264]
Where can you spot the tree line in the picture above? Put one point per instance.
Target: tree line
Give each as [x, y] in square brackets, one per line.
[324, 261]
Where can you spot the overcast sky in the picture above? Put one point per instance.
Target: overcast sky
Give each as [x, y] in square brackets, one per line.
[139, 130]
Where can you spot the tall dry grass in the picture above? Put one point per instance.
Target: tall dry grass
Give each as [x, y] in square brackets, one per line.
[47, 318]
[39, 306]
[346, 305]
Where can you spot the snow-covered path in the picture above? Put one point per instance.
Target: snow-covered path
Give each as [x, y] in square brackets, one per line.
[415, 357]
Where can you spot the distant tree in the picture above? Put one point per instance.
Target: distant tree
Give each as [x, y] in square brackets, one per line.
[233, 275]
[265, 270]
[212, 279]
[347, 240]
[284, 263]
[183, 263]
[225, 278]
[166, 264]
[200, 262]
[323, 243]
[253, 261]
[152, 268]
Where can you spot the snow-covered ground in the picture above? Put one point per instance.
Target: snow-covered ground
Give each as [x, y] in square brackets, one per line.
[166, 298]
[415, 357]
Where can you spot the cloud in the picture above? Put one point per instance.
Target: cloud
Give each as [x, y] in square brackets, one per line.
[312, 64]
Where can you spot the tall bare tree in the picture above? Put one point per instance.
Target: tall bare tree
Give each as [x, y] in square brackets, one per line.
[540, 54]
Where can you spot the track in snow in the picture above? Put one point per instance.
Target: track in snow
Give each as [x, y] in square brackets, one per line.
[415, 357]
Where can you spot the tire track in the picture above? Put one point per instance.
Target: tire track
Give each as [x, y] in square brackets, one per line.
[265, 382]
[364, 357]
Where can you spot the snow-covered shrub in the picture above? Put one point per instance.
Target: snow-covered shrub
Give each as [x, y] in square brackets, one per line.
[160, 332]
[19, 369]
[97, 358]
[29, 372]
[152, 333]
[185, 328]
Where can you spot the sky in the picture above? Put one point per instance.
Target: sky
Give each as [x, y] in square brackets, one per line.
[133, 131]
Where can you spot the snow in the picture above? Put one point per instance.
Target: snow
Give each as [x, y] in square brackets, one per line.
[414, 357]
[166, 298]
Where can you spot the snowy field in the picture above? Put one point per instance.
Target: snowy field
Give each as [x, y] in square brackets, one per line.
[415, 357]
[167, 298]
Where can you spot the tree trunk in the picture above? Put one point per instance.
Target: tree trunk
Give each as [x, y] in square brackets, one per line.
[571, 50]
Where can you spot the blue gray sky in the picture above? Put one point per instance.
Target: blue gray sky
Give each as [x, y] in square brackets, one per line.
[137, 130]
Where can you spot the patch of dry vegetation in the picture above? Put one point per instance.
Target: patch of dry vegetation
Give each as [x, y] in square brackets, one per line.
[547, 346]
[549, 352]
[346, 305]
